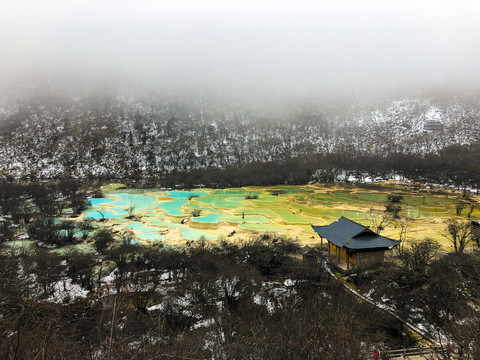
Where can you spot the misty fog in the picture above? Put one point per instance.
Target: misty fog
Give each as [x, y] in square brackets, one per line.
[277, 47]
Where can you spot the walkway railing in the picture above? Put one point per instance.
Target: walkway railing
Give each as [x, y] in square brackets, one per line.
[415, 352]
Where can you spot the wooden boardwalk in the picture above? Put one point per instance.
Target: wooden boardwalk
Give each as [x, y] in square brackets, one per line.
[429, 351]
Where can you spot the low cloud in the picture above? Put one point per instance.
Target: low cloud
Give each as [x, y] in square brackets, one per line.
[287, 47]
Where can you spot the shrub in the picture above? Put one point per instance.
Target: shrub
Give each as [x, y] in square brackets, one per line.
[97, 193]
[196, 212]
[395, 198]
[102, 239]
[130, 210]
[393, 209]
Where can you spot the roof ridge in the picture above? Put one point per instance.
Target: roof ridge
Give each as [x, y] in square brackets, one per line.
[386, 237]
[350, 234]
[352, 221]
[365, 228]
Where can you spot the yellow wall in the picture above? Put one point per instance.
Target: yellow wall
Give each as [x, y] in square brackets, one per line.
[343, 254]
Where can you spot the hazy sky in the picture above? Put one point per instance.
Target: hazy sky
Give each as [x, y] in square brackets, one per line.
[276, 45]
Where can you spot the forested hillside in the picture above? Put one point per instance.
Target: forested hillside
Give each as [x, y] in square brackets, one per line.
[137, 135]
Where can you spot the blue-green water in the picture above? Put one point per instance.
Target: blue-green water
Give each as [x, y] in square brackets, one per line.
[157, 214]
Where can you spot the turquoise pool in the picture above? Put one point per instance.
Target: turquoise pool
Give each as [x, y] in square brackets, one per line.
[158, 215]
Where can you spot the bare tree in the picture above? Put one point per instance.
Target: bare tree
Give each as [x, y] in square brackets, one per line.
[80, 202]
[419, 254]
[6, 230]
[69, 230]
[102, 215]
[473, 206]
[86, 226]
[459, 233]
[130, 210]
[127, 237]
[379, 220]
[459, 206]
[393, 209]
[402, 236]
[102, 239]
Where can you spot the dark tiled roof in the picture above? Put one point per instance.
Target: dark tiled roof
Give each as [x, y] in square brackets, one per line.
[307, 250]
[348, 233]
[370, 241]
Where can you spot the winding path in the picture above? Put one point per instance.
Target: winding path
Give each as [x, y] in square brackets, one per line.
[409, 325]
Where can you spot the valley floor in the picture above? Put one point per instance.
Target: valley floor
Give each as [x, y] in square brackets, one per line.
[286, 210]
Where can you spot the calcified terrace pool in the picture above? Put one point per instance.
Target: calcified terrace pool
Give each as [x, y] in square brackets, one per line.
[233, 213]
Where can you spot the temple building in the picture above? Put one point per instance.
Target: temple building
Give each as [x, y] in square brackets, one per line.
[354, 243]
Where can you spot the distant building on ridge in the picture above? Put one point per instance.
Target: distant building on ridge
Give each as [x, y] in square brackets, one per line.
[433, 125]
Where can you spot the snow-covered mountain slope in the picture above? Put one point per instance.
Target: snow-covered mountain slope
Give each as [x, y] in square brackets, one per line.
[126, 135]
